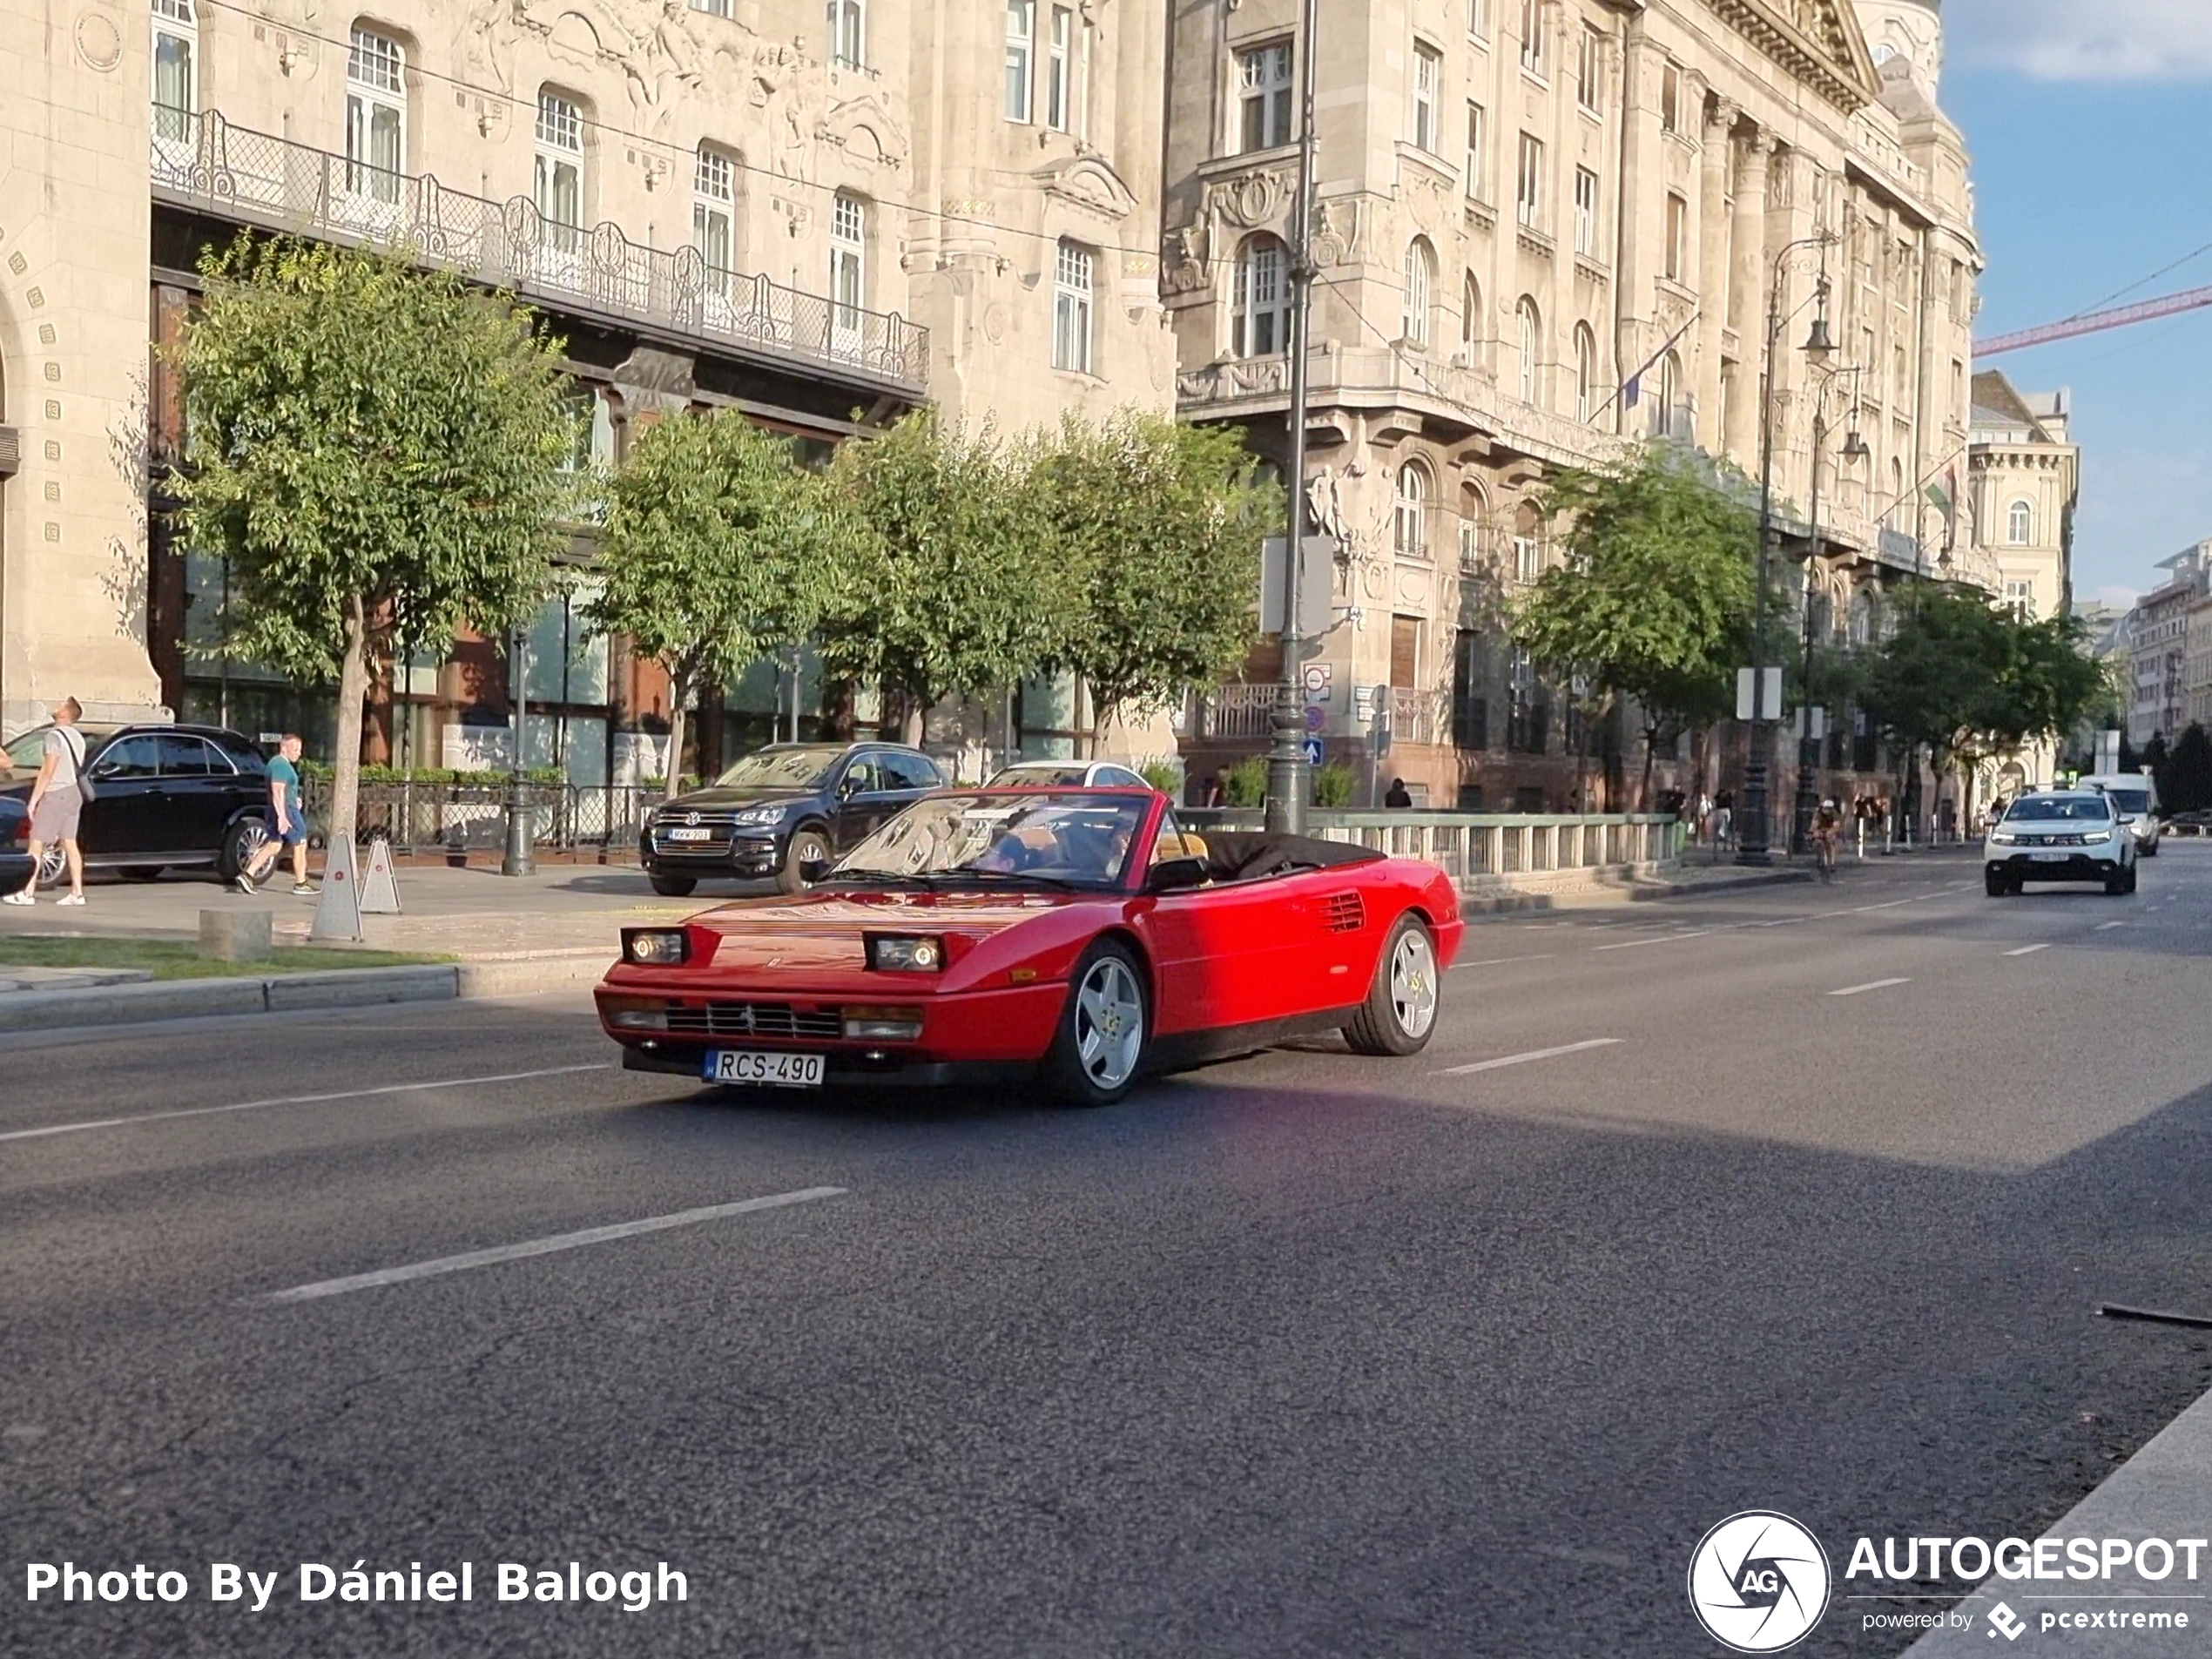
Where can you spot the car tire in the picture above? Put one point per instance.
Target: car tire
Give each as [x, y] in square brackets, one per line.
[2115, 885]
[2133, 872]
[241, 842]
[1995, 885]
[1400, 1015]
[2148, 850]
[807, 845]
[1098, 1049]
[671, 887]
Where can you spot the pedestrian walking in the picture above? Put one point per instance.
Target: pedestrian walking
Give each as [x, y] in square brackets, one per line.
[56, 801]
[1398, 795]
[1217, 788]
[1724, 820]
[290, 823]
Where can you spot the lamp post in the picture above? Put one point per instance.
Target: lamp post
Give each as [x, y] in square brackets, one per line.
[1753, 847]
[517, 860]
[1808, 743]
[1286, 753]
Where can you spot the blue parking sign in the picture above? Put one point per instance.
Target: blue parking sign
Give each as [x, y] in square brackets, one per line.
[1313, 751]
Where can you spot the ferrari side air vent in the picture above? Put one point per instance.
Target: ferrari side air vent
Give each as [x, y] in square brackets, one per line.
[1342, 913]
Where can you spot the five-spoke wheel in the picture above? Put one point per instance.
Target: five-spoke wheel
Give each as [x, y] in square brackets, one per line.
[1400, 1010]
[1099, 1045]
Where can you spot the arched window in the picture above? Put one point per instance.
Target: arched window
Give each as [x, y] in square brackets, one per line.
[2019, 523]
[1473, 510]
[1897, 516]
[375, 115]
[1526, 316]
[1527, 545]
[1862, 618]
[847, 33]
[714, 204]
[1667, 417]
[557, 184]
[1259, 318]
[1421, 282]
[1470, 320]
[1585, 371]
[1411, 537]
[176, 71]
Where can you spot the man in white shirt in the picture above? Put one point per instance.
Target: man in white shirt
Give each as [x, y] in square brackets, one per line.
[56, 798]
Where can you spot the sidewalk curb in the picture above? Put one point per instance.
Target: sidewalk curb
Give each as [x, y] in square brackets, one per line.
[345, 988]
[1494, 896]
[2159, 1492]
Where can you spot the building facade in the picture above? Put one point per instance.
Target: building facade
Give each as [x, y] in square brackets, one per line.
[819, 220]
[1545, 229]
[2162, 644]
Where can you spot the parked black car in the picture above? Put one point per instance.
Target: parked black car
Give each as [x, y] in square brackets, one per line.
[164, 796]
[779, 809]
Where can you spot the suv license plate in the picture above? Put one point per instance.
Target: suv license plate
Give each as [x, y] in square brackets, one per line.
[691, 835]
[2058, 854]
[777, 1070]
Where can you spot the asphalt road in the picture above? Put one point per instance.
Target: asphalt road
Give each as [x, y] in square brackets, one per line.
[1303, 1354]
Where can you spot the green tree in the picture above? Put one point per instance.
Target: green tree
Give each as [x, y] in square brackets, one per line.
[1160, 525]
[2187, 785]
[377, 450]
[718, 549]
[953, 583]
[1654, 599]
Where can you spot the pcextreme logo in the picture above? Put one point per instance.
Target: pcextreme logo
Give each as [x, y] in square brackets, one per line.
[1758, 1582]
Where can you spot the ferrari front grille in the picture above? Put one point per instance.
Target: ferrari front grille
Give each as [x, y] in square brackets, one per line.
[1342, 913]
[777, 1019]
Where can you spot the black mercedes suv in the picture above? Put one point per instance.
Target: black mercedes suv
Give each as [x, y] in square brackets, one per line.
[780, 809]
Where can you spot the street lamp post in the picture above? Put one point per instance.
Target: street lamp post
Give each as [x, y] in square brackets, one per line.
[1286, 753]
[518, 859]
[1754, 848]
[1809, 745]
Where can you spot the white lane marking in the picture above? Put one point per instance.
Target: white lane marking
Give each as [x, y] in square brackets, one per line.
[2026, 950]
[542, 1246]
[2101, 925]
[1861, 909]
[300, 1100]
[1492, 961]
[1784, 921]
[1523, 1059]
[1870, 985]
[1662, 939]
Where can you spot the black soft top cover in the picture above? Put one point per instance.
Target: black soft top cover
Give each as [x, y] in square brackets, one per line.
[1244, 855]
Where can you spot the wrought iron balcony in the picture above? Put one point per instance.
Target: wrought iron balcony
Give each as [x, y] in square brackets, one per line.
[203, 162]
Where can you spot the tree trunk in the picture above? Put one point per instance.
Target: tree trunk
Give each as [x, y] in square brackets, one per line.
[1644, 789]
[679, 694]
[1101, 716]
[352, 694]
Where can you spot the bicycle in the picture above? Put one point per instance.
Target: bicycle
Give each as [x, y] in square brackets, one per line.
[1823, 851]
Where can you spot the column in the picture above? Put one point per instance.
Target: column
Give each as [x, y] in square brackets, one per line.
[1712, 268]
[1748, 296]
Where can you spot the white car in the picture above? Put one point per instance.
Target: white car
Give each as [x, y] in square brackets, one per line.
[2135, 794]
[2059, 835]
[1065, 774]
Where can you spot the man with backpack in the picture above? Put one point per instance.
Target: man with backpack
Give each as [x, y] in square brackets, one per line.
[56, 801]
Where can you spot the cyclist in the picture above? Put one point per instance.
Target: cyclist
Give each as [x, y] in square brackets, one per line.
[1827, 829]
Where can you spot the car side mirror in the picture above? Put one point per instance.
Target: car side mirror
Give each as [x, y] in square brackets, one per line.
[1174, 875]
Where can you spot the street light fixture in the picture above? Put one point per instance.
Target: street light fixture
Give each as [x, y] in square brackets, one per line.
[1757, 828]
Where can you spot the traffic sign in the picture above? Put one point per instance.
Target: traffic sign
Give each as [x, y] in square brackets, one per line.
[1318, 676]
[1314, 716]
[1313, 751]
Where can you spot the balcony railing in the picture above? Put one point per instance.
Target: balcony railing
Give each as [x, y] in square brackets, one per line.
[1234, 712]
[203, 161]
[1419, 717]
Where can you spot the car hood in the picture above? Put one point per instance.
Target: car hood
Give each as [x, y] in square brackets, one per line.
[825, 929]
[749, 795]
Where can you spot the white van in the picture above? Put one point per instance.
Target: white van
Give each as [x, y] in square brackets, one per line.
[2136, 798]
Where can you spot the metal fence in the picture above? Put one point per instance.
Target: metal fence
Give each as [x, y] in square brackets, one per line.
[259, 177]
[455, 817]
[1473, 846]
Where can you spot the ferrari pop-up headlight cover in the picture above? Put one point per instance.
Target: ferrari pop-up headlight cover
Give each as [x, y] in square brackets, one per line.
[905, 953]
[655, 946]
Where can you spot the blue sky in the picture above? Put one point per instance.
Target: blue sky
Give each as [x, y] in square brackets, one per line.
[2086, 121]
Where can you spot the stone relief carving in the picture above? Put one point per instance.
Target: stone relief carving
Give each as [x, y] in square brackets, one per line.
[1182, 260]
[1337, 227]
[1251, 200]
[1237, 377]
[1087, 181]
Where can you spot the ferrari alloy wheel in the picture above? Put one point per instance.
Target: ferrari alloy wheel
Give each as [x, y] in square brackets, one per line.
[1400, 1013]
[1100, 1044]
[808, 846]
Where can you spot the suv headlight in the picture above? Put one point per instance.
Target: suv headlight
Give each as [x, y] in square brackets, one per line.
[761, 815]
[2002, 838]
[2088, 835]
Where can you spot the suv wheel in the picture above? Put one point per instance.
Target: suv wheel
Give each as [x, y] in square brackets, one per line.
[672, 887]
[1994, 883]
[809, 845]
[242, 842]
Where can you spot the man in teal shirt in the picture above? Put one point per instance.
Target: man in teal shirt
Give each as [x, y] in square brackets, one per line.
[288, 823]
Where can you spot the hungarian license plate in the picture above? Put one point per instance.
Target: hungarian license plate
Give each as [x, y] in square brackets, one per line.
[2058, 854]
[691, 835]
[776, 1070]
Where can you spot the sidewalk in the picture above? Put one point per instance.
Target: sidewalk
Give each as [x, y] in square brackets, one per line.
[2164, 1491]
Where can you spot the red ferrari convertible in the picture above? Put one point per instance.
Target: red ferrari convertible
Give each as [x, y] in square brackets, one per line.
[999, 934]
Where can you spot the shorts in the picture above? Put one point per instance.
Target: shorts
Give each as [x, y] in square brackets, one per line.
[293, 834]
[55, 819]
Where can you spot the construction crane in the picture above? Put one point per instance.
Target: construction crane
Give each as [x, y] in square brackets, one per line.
[2091, 321]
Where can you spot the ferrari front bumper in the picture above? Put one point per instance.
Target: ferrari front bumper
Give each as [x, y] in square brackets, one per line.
[841, 1068]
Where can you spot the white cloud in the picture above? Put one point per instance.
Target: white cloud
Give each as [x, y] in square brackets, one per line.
[2084, 40]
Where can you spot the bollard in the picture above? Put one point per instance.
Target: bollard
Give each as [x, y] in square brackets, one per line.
[236, 935]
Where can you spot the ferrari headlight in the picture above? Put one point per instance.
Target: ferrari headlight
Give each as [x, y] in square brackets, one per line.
[904, 953]
[882, 1025]
[655, 946]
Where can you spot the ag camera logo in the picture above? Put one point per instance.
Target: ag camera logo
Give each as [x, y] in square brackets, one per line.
[1758, 1582]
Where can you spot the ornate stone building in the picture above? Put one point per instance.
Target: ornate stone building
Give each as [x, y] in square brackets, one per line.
[820, 219]
[1546, 229]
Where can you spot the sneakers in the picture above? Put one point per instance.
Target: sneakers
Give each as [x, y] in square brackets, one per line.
[304, 889]
[245, 882]
[74, 898]
[18, 898]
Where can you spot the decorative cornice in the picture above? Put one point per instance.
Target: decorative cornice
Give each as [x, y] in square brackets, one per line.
[1848, 81]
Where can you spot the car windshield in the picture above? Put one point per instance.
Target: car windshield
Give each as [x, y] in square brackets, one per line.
[1056, 840]
[2055, 808]
[2131, 800]
[781, 769]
